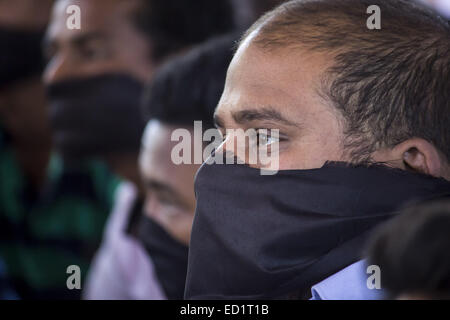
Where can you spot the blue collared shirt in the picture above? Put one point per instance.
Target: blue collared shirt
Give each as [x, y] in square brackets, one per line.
[5, 291]
[348, 284]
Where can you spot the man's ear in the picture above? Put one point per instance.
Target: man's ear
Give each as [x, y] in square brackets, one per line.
[421, 156]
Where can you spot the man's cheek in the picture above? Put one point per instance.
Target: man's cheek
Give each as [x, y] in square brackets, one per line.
[183, 229]
[296, 157]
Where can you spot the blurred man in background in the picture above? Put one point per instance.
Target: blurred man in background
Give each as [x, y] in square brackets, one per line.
[412, 252]
[23, 108]
[54, 207]
[45, 223]
[362, 118]
[96, 74]
[248, 11]
[260, 7]
[185, 90]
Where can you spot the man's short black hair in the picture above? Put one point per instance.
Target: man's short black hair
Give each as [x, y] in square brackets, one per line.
[173, 25]
[390, 84]
[413, 252]
[188, 88]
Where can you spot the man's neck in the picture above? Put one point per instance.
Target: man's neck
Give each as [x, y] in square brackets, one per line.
[33, 157]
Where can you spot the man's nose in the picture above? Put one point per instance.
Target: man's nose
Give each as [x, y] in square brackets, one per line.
[59, 69]
[228, 146]
[151, 206]
[235, 145]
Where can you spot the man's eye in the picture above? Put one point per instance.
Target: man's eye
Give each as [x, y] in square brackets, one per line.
[167, 200]
[93, 54]
[95, 51]
[265, 138]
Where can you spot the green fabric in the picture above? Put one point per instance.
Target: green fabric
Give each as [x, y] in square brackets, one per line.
[41, 235]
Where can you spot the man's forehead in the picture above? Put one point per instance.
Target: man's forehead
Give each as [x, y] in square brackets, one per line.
[156, 152]
[156, 134]
[242, 101]
[284, 63]
[285, 80]
[254, 97]
[157, 138]
[98, 15]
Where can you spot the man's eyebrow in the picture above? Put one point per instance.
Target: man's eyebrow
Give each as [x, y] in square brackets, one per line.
[163, 188]
[263, 114]
[78, 40]
[82, 39]
[159, 186]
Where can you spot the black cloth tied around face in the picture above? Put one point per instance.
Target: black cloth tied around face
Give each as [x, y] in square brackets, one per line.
[96, 116]
[271, 237]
